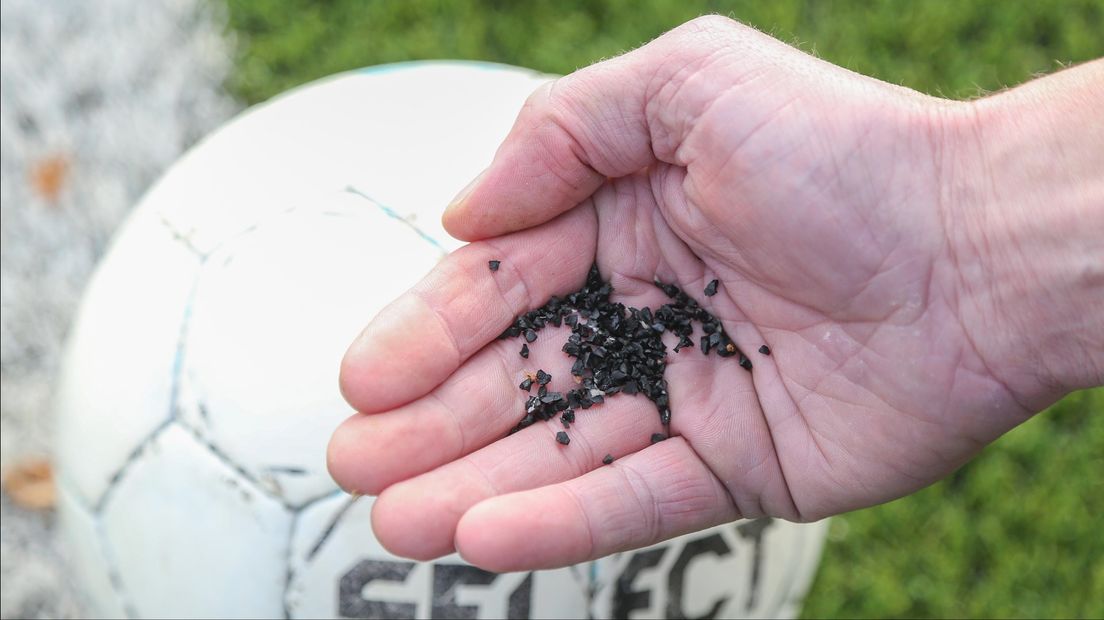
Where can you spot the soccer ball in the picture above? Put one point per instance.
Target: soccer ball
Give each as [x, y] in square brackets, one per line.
[199, 388]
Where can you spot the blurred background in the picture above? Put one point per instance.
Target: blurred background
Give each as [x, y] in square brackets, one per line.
[99, 97]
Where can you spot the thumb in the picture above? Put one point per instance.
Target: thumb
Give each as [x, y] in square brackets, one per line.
[607, 120]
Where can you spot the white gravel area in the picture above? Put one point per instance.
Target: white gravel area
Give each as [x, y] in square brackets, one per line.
[97, 98]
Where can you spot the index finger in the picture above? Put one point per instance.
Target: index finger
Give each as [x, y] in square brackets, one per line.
[610, 119]
[422, 337]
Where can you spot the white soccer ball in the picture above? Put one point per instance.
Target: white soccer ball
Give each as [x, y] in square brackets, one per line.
[199, 388]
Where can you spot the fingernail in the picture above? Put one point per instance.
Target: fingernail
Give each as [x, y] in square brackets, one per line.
[463, 194]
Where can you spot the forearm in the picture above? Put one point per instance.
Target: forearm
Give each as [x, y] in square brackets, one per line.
[1025, 214]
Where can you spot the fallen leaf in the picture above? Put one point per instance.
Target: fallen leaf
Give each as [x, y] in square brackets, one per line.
[48, 176]
[30, 483]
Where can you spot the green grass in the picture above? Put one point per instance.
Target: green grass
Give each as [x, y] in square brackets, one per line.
[955, 48]
[1015, 533]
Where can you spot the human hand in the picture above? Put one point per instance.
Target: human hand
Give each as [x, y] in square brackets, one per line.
[840, 215]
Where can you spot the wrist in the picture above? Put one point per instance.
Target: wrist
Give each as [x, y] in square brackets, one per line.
[1024, 214]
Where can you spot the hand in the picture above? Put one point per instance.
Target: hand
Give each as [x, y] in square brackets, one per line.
[833, 209]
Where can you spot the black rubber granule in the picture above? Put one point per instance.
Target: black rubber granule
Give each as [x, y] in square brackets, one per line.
[607, 459]
[617, 348]
[551, 397]
[562, 438]
[493, 264]
[527, 384]
[711, 288]
[658, 437]
[765, 350]
[524, 351]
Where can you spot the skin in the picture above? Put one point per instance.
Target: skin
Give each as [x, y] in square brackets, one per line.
[924, 272]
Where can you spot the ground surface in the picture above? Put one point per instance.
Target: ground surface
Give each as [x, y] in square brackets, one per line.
[98, 98]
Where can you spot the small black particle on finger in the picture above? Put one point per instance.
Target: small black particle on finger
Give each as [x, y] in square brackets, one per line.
[530, 335]
[524, 351]
[562, 438]
[607, 459]
[765, 350]
[711, 288]
[526, 384]
[543, 378]
[493, 264]
[658, 437]
[745, 363]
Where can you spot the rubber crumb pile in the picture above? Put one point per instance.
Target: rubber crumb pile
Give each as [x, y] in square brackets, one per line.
[617, 349]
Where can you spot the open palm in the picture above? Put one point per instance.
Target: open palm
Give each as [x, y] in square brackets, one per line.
[813, 195]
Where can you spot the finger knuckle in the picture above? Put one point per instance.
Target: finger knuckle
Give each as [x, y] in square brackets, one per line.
[709, 25]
